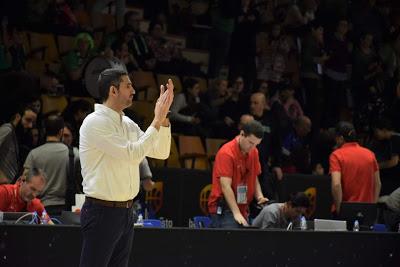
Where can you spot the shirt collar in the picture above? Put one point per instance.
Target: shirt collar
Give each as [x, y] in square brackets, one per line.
[350, 144]
[115, 116]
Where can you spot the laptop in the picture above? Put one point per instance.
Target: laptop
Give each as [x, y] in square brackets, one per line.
[365, 213]
[329, 225]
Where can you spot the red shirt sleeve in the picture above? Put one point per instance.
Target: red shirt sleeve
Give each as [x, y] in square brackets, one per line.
[5, 198]
[35, 205]
[223, 165]
[334, 164]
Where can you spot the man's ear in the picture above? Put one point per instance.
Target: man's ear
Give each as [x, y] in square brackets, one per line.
[17, 119]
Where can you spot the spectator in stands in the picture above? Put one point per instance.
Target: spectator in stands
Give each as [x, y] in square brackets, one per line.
[235, 179]
[366, 68]
[164, 50]
[387, 149]
[53, 158]
[272, 54]
[75, 61]
[22, 196]
[138, 45]
[232, 109]
[313, 58]
[285, 107]
[354, 169]
[122, 53]
[337, 73]
[271, 146]
[300, 14]
[50, 84]
[75, 113]
[295, 148]
[279, 215]
[188, 113]
[11, 136]
[217, 95]
[68, 136]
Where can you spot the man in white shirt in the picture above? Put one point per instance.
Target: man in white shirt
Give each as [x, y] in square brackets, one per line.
[111, 148]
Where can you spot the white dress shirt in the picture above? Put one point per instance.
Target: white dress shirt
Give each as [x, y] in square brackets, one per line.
[111, 149]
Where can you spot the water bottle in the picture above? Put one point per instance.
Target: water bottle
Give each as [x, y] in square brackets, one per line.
[140, 220]
[303, 223]
[45, 218]
[356, 226]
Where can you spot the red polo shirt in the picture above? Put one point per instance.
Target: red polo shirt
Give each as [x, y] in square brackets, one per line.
[10, 200]
[357, 166]
[243, 169]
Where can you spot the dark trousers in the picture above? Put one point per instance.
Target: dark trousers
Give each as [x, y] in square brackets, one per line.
[107, 235]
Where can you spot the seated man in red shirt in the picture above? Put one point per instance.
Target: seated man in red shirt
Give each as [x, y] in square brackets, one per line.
[21, 196]
[353, 168]
[235, 179]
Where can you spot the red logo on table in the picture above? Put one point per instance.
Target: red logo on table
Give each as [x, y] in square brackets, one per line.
[155, 197]
[204, 194]
[311, 193]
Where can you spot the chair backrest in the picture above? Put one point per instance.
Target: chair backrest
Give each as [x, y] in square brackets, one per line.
[192, 152]
[145, 85]
[145, 110]
[213, 145]
[47, 40]
[53, 103]
[152, 223]
[202, 221]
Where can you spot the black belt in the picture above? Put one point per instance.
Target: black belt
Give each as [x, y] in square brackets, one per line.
[111, 204]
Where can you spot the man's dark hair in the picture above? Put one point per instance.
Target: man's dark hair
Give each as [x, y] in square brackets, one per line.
[53, 124]
[253, 127]
[347, 131]
[35, 172]
[189, 83]
[108, 78]
[299, 199]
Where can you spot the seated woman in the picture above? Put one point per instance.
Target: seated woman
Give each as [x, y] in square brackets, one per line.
[187, 111]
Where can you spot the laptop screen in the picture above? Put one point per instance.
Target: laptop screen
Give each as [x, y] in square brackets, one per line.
[365, 213]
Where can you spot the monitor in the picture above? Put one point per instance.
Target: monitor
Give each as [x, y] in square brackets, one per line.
[365, 213]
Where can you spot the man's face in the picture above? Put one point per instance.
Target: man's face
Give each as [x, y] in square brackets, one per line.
[257, 104]
[295, 212]
[223, 87]
[249, 142]
[28, 119]
[195, 90]
[67, 137]
[125, 92]
[31, 189]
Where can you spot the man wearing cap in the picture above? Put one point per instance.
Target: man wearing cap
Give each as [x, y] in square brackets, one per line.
[353, 168]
